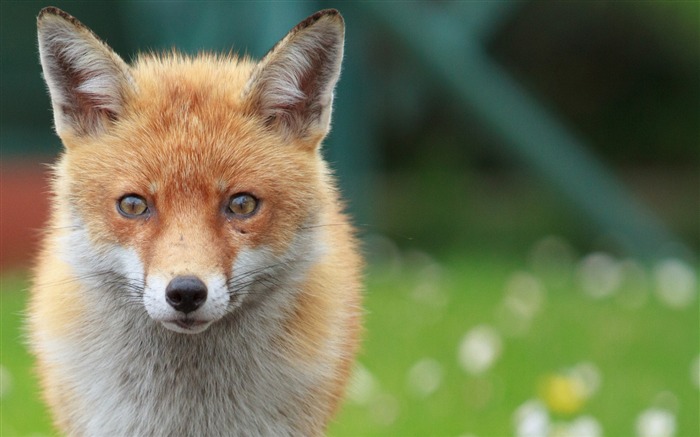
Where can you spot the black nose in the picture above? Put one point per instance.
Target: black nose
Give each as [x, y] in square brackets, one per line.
[186, 293]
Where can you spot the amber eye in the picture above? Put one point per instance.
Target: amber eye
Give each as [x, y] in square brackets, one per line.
[242, 205]
[132, 205]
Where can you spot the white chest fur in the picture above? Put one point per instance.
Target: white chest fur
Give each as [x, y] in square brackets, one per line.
[233, 379]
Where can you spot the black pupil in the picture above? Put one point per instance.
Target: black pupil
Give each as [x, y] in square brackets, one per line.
[242, 204]
[133, 205]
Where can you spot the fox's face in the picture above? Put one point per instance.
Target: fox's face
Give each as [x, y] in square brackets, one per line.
[195, 184]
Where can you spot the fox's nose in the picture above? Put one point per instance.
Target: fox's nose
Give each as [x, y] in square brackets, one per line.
[186, 293]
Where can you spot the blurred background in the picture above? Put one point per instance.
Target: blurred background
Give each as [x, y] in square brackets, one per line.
[525, 177]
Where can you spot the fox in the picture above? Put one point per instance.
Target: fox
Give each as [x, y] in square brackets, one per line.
[199, 275]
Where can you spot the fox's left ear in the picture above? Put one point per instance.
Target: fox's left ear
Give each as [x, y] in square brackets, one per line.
[292, 86]
[87, 81]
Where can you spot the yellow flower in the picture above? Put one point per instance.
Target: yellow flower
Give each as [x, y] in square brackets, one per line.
[563, 394]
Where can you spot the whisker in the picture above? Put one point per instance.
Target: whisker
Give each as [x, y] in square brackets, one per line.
[60, 228]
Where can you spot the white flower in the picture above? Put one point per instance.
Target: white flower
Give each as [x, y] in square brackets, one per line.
[479, 349]
[585, 426]
[676, 283]
[655, 422]
[532, 420]
[599, 275]
[425, 377]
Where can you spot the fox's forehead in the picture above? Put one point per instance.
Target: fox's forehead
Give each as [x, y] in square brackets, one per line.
[201, 157]
[174, 83]
[189, 109]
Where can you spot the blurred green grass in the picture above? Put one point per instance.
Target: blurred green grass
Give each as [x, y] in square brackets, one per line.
[643, 354]
[419, 310]
[21, 412]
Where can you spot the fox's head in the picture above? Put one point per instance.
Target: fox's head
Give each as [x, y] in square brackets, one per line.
[191, 185]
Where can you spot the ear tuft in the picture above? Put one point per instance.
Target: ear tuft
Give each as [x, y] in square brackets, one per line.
[292, 86]
[87, 81]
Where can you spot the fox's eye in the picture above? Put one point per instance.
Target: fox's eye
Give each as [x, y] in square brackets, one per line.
[132, 206]
[243, 204]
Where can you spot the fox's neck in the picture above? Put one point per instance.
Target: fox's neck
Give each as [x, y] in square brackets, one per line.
[139, 374]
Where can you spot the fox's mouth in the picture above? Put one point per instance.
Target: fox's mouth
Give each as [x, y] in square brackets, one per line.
[187, 325]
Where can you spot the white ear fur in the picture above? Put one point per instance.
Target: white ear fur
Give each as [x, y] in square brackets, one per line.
[87, 81]
[292, 86]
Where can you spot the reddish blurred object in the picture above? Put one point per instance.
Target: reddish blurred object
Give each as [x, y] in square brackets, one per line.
[24, 209]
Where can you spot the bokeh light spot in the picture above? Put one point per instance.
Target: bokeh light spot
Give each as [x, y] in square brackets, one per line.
[425, 377]
[479, 349]
[676, 283]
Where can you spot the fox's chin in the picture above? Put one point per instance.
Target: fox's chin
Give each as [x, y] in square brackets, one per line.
[187, 326]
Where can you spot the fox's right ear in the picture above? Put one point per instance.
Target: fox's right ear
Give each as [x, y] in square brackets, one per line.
[291, 88]
[87, 81]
